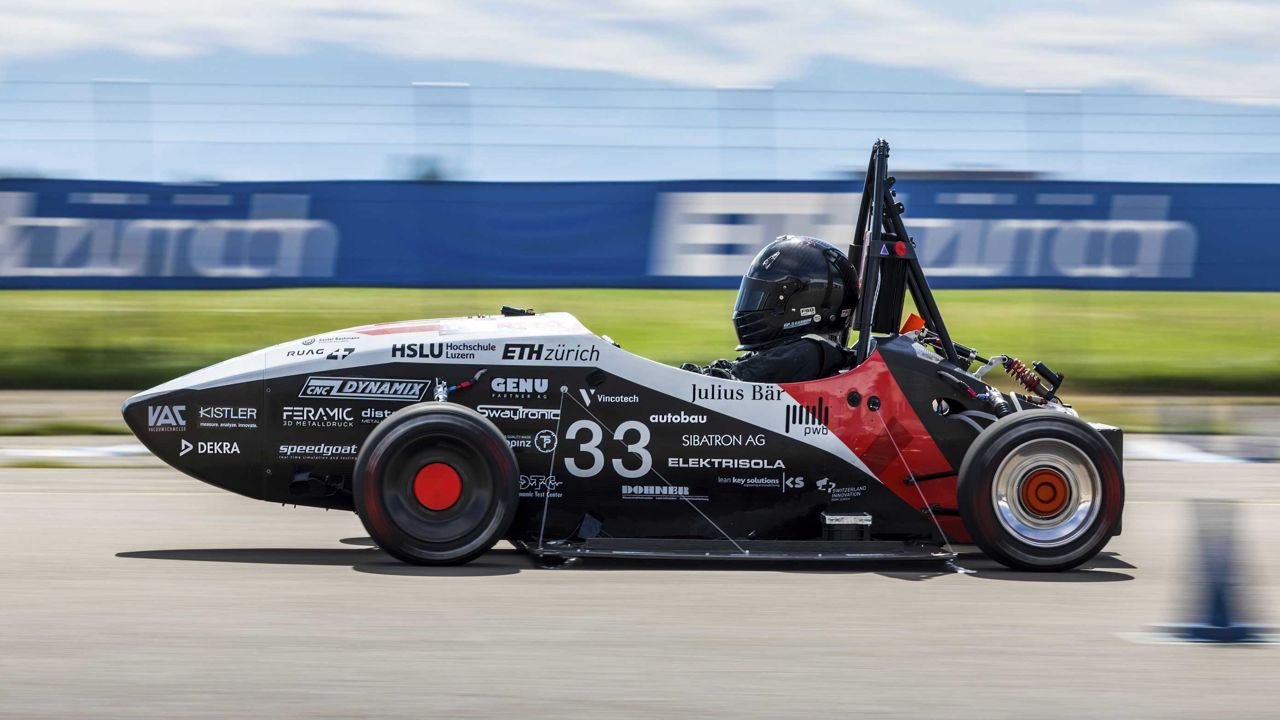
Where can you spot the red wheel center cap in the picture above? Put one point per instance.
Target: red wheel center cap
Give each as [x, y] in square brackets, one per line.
[1045, 493]
[437, 486]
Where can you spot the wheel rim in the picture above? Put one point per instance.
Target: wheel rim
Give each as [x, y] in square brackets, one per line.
[1046, 492]
[437, 486]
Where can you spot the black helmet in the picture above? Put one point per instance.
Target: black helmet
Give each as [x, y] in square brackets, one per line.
[795, 286]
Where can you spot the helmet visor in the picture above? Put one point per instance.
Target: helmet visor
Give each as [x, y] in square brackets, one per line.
[755, 294]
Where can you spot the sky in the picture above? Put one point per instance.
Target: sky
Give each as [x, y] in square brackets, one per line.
[1211, 60]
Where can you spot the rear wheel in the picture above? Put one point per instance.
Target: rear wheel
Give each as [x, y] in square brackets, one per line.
[436, 484]
[1041, 490]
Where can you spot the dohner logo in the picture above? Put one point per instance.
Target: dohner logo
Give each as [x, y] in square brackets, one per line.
[364, 389]
[650, 491]
[166, 418]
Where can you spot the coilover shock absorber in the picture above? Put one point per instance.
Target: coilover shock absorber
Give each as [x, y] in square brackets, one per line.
[1032, 380]
[1016, 370]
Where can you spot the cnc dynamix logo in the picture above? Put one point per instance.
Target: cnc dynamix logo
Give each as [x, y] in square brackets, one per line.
[349, 388]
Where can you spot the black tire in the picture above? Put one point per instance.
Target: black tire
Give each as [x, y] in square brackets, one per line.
[1013, 479]
[387, 495]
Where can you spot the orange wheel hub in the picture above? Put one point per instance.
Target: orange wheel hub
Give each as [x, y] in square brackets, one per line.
[437, 486]
[1045, 493]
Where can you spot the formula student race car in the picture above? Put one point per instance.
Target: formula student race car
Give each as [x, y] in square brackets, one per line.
[446, 436]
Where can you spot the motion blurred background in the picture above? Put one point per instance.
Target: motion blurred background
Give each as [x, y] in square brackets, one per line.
[1089, 184]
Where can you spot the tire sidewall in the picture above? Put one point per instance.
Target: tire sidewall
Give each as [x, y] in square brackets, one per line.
[414, 427]
[977, 474]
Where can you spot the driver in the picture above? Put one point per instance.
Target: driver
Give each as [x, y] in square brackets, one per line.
[793, 306]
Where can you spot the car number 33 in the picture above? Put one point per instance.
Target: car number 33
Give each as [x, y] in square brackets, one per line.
[591, 446]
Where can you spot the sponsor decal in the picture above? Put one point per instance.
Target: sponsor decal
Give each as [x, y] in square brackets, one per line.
[540, 486]
[658, 492]
[438, 351]
[793, 483]
[520, 442]
[756, 481]
[317, 417]
[806, 312]
[729, 392]
[364, 388]
[228, 417]
[769, 260]
[796, 323]
[519, 387]
[726, 463]
[309, 341]
[839, 493]
[166, 418]
[677, 417]
[320, 451]
[334, 339]
[618, 398]
[339, 354]
[813, 418]
[545, 441]
[306, 352]
[722, 440]
[373, 416]
[209, 447]
[517, 412]
[560, 352]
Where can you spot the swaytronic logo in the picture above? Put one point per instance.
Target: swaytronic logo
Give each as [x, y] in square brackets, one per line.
[364, 388]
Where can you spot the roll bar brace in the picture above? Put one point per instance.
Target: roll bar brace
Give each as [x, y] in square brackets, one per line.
[886, 265]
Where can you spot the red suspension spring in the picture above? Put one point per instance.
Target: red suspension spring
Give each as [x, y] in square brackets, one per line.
[1019, 372]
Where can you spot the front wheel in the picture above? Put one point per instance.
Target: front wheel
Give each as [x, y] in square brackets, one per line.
[1041, 490]
[436, 484]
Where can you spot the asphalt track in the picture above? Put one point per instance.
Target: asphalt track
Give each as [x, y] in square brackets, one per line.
[141, 593]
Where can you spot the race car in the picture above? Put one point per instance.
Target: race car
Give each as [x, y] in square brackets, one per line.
[446, 436]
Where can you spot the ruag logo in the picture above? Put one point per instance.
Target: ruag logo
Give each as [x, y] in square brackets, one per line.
[560, 352]
[540, 486]
[508, 387]
[307, 352]
[317, 417]
[681, 417]
[228, 417]
[320, 451]
[658, 492]
[166, 418]
[813, 418]
[364, 389]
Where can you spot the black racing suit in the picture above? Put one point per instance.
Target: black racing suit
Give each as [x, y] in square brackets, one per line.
[798, 359]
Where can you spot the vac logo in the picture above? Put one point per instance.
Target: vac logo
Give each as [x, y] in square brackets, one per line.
[364, 389]
[339, 354]
[166, 418]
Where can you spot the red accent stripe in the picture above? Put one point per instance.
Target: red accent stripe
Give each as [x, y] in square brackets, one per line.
[864, 433]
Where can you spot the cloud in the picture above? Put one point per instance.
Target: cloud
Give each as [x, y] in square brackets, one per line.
[1203, 48]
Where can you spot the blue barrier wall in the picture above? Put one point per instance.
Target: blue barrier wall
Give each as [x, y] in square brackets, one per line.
[971, 234]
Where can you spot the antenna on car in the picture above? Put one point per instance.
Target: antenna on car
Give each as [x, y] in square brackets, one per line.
[886, 265]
